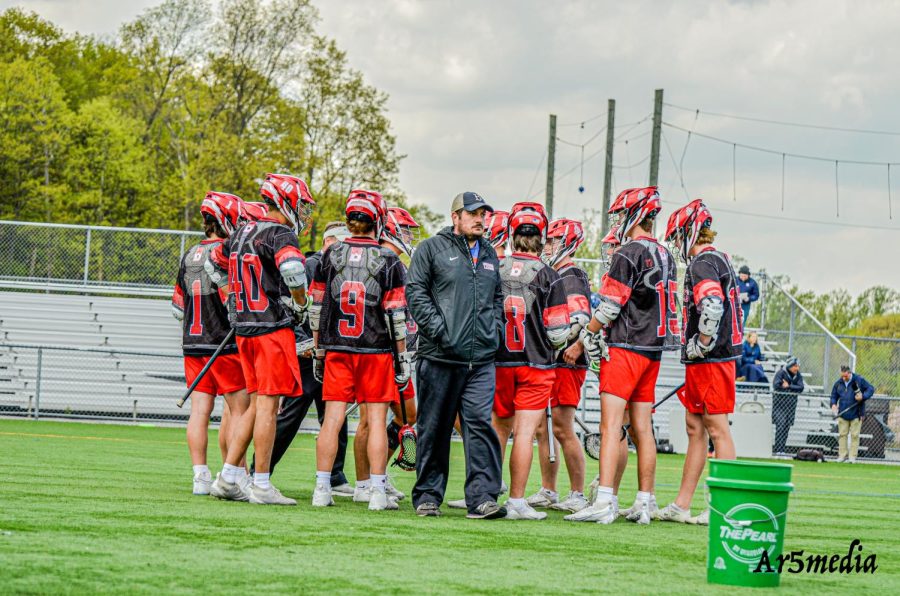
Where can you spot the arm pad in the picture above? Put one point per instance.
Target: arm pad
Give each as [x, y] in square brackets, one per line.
[606, 312]
[558, 337]
[711, 311]
[294, 273]
[177, 312]
[217, 275]
[315, 313]
[397, 319]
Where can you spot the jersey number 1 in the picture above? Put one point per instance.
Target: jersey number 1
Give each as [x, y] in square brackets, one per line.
[514, 309]
[353, 307]
[196, 313]
[737, 323]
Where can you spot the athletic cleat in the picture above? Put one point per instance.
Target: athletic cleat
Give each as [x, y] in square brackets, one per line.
[202, 482]
[380, 501]
[602, 511]
[227, 491]
[639, 513]
[428, 509]
[246, 484]
[525, 512]
[654, 508]
[573, 503]
[543, 498]
[343, 490]
[269, 496]
[322, 496]
[670, 513]
[392, 491]
[700, 520]
[615, 504]
[361, 495]
[457, 504]
[488, 510]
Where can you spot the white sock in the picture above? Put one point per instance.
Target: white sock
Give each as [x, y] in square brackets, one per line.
[605, 493]
[379, 482]
[363, 484]
[675, 506]
[643, 497]
[323, 478]
[576, 493]
[231, 473]
[262, 480]
[517, 503]
[201, 471]
[615, 500]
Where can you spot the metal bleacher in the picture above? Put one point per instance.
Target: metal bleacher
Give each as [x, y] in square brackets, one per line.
[88, 356]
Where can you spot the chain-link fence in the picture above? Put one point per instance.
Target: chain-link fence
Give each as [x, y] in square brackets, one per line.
[92, 258]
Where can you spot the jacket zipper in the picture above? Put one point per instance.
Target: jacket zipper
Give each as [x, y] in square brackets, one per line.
[468, 252]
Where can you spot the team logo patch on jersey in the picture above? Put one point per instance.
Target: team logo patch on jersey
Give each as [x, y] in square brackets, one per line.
[198, 254]
[516, 269]
[356, 254]
[489, 266]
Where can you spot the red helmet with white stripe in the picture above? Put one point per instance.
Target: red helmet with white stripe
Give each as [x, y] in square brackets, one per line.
[528, 219]
[368, 206]
[608, 246]
[496, 228]
[401, 230]
[632, 206]
[252, 211]
[224, 208]
[570, 234]
[291, 197]
[684, 226]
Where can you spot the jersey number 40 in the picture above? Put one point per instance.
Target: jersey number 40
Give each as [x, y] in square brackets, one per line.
[246, 283]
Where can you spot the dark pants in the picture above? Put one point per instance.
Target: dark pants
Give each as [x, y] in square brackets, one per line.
[291, 416]
[745, 307]
[445, 390]
[753, 373]
[783, 409]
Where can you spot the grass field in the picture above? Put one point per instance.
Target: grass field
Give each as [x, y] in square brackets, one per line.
[88, 508]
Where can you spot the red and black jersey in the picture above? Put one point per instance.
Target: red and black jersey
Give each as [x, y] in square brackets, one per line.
[534, 304]
[578, 299]
[252, 256]
[356, 283]
[642, 281]
[205, 322]
[710, 274]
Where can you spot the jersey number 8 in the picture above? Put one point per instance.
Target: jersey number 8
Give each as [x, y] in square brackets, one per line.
[514, 310]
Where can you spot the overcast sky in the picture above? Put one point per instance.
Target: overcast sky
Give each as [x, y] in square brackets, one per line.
[471, 85]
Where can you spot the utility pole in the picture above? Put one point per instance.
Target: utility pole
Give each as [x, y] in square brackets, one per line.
[551, 166]
[657, 131]
[607, 175]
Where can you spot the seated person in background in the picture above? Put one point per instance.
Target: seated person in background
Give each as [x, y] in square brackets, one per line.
[748, 369]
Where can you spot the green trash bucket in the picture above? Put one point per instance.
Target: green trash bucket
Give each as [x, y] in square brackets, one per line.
[747, 515]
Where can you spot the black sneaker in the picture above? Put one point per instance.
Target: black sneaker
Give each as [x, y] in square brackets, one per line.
[428, 509]
[488, 510]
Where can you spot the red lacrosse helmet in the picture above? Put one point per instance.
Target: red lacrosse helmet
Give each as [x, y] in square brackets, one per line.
[684, 226]
[224, 208]
[570, 233]
[528, 218]
[401, 230]
[367, 205]
[496, 228]
[608, 245]
[252, 211]
[632, 206]
[291, 197]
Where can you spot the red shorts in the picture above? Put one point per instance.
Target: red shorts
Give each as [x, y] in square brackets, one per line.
[365, 378]
[567, 387]
[629, 375]
[408, 393]
[270, 363]
[224, 376]
[708, 388]
[522, 388]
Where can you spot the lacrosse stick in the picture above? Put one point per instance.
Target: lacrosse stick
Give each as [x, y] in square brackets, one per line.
[590, 440]
[203, 371]
[847, 409]
[406, 455]
[653, 407]
[551, 438]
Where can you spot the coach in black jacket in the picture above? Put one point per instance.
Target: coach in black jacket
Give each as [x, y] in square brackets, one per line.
[454, 296]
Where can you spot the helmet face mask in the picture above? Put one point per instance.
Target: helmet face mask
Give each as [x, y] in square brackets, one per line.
[401, 230]
[564, 238]
[496, 228]
[608, 246]
[291, 197]
[683, 228]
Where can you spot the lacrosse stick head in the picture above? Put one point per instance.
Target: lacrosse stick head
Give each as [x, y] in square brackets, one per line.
[406, 454]
[591, 442]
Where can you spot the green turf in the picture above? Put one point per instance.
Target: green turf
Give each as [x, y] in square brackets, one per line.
[103, 508]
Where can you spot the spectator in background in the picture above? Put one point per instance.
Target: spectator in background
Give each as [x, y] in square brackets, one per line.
[748, 289]
[788, 384]
[848, 398]
[749, 370]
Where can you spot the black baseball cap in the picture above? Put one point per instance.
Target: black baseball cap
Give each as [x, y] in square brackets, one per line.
[470, 201]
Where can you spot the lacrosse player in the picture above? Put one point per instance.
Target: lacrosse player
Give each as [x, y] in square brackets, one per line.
[399, 235]
[358, 292]
[204, 327]
[496, 231]
[638, 314]
[564, 238]
[713, 341]
[536, 324]
[266, 293]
